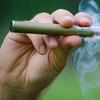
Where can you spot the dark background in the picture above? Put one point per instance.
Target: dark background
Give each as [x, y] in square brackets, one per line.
[26, 9]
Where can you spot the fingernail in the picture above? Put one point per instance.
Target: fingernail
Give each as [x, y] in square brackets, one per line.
[42, 49]
[67, 21]
[52, 42]
[85, 21]
[68, 18]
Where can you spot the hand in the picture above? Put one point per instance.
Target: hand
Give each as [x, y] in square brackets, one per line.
[29, 63]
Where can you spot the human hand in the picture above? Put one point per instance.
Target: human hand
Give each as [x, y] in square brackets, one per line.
[29, 63]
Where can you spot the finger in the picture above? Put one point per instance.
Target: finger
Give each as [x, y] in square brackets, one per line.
[83, 19]
[38, 43]
[70, 41]
[51, 41]
[38, 40]
[63, 17]
[42, 18]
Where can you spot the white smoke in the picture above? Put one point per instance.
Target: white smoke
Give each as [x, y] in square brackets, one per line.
[86, 58]
[91, 7]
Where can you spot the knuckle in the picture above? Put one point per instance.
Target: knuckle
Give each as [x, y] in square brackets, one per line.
[62, 12]
[43, 14]
[39, 16]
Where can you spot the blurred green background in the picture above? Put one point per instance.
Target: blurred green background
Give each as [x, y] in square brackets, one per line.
[26, 9]
[65, 87]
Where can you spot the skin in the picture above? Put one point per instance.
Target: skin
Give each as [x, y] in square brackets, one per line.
[29, 63]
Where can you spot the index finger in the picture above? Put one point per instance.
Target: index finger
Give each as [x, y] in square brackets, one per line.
[63, 17]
